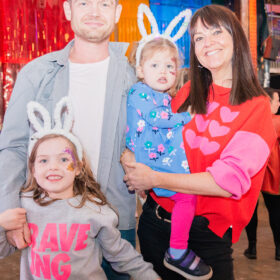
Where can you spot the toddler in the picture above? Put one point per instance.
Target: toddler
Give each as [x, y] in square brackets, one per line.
[154, 134]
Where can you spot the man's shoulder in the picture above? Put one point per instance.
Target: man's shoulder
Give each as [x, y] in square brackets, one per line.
[46, 61]
[38, 66]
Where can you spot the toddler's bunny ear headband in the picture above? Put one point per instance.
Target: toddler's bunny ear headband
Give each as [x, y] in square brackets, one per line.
[144, 9]
[60, 128]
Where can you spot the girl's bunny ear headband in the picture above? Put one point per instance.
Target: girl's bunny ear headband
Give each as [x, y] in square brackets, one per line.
[60, 128]
[144, 9]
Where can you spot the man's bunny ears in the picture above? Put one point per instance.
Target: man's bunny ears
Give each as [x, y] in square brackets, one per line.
[60, 128]
[144, 9]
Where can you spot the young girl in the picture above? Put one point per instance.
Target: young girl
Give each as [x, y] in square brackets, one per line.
[153, 134]
[70, 221]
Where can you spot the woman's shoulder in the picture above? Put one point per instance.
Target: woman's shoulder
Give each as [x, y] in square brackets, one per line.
[181, 96]
[185, 88]
[261, 99]
[257, 104]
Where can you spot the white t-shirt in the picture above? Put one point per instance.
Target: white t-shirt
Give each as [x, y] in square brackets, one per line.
[87, 88]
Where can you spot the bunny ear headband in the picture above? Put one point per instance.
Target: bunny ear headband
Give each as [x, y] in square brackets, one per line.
[144, 9]
[60, 128]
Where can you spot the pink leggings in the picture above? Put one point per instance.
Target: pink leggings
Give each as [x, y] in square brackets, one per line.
[181, 219]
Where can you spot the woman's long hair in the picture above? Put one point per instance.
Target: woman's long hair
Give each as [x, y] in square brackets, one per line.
[84, 183]
[245, 84]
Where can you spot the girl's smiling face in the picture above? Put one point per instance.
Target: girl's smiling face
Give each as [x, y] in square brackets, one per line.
[55, 168]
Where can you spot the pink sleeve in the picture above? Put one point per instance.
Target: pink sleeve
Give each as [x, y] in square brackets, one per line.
[242, 158]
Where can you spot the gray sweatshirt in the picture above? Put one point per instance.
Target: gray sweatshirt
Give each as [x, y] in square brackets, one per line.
[68, 243]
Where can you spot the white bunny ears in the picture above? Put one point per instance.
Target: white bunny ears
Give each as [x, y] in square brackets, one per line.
[144, 9]
[59, 128]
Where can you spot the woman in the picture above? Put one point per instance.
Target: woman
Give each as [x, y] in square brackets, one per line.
[227, 144]
[270, 188]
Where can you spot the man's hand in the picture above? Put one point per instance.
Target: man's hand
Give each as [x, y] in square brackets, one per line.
[19, 238]
[13, 218]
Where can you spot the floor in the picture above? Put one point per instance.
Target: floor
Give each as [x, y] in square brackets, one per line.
[264, 268]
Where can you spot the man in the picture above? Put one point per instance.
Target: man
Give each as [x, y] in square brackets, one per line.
[96, 75]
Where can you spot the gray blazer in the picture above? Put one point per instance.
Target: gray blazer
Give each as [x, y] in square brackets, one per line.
[46, 80]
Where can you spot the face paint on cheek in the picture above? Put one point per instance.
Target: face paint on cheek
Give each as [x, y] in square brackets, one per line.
[70, 152]
[70, 167]
[173, 73]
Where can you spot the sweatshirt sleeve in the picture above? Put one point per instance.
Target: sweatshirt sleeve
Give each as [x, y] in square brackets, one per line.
[5, 248]
[122, 256]
[246, 153]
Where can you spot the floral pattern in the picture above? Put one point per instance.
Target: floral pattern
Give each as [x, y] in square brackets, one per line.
[154, 132]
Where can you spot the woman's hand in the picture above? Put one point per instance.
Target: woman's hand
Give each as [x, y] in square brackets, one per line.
[139, 177]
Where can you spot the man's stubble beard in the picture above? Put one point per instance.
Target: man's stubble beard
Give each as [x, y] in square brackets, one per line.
[95, 36]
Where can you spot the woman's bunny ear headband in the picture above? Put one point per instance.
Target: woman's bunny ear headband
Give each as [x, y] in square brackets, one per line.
[60, 128]
[144, 9]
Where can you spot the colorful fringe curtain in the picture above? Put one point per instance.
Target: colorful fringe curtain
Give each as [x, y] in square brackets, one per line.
[31, 28]
[28, 29]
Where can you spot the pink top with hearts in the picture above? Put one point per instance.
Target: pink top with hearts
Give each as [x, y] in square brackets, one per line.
[233, 144]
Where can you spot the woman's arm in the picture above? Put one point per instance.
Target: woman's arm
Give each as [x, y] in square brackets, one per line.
[141, 177]
[230, 174]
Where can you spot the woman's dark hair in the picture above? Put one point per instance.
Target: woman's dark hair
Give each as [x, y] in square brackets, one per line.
[245, 84]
